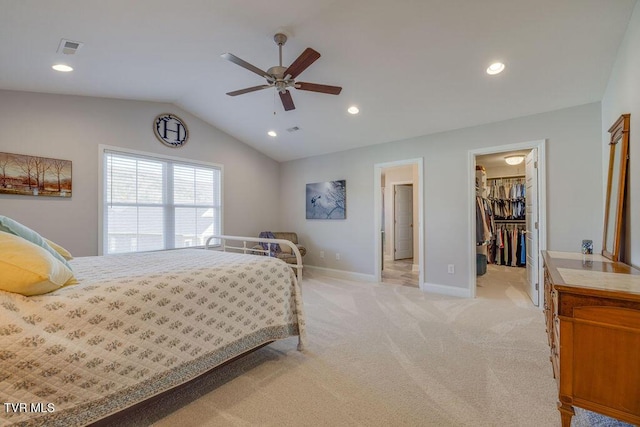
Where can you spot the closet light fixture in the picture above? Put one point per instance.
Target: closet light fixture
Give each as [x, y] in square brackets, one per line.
[272, 133]
[514, 160]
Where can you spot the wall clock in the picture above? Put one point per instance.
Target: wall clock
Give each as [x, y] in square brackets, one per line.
[170, 130]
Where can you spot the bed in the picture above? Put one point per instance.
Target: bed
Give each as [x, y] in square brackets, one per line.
[135, 326]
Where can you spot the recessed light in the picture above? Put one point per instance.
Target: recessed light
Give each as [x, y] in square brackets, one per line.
[272, 133]
[495, 68]
[62, 67]
[353, 110]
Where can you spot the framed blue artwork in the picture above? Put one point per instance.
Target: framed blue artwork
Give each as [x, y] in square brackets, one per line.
[327, 200]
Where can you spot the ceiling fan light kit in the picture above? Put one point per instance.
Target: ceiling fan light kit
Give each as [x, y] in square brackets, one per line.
[282, 78]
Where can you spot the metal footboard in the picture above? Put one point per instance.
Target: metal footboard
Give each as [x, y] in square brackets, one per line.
[239, 243]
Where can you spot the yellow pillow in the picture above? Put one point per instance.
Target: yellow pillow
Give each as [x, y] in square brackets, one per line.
[12, 226]
[28, 269]
[62, 251]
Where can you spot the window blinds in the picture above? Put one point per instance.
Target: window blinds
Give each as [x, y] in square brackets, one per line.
[158, 203]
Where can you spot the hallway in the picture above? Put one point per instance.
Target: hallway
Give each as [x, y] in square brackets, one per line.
[399, 272]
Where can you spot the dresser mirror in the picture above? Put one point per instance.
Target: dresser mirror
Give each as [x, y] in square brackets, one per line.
[613, 208]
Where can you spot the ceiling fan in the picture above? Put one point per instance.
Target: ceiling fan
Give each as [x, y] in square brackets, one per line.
[283, 78]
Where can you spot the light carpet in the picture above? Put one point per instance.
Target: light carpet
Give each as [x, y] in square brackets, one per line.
[384, 355]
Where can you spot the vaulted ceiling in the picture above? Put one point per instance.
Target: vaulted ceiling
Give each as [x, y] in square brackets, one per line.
[413, 67]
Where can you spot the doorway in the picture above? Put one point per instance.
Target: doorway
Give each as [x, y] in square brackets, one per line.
[399, 236]
[403, 222]
[398, 210]
[512, 201]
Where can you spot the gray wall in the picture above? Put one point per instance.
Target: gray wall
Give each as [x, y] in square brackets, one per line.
[72, 127]
[574, 191]
[623, 96]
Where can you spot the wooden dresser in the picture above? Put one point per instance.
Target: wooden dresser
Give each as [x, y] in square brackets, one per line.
[592, 311]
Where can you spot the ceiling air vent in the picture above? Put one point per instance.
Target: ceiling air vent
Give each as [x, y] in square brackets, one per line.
[293, 129]
[69, 47]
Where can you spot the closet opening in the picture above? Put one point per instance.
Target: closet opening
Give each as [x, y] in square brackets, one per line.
[507, 205]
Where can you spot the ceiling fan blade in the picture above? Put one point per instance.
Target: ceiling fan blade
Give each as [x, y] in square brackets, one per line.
[308, 57]
[244, 64]
[314, 87]
[247, 90]
[287, 101]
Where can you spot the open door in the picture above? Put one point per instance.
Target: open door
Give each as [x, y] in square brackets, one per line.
[403, 221]
[531, 204]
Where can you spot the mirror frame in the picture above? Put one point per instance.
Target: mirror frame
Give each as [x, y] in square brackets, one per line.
[619, 135]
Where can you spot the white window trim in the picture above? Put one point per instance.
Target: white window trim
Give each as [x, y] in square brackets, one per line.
[102, 148]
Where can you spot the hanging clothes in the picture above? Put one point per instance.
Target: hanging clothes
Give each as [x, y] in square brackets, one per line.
[507, 196]
[507, 201]
[508, 246]
[484, 223]
[514, 248]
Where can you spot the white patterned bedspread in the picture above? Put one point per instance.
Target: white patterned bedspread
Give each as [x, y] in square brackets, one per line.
[136, 325]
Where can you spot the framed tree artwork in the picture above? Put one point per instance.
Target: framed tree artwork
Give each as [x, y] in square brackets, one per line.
[327, 200]
[34, 176]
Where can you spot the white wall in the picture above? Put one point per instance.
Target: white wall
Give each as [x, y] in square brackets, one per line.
[623, 96]
[72, 127]
[574, 200]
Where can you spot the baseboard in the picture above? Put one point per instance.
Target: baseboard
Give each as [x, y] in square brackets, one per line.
[341, 274]
[446, 290]
[350, 275]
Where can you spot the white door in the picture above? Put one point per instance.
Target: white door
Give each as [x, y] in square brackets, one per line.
[531, 177]
[403, 228]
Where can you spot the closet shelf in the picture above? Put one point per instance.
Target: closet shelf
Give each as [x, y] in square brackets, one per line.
[506, 177]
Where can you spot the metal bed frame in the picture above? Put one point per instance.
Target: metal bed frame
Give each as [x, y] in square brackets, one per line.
[234, 241]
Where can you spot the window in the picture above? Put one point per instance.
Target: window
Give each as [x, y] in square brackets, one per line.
[153, 203]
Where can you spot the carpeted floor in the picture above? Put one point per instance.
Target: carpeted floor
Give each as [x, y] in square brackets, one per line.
[385, 355]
